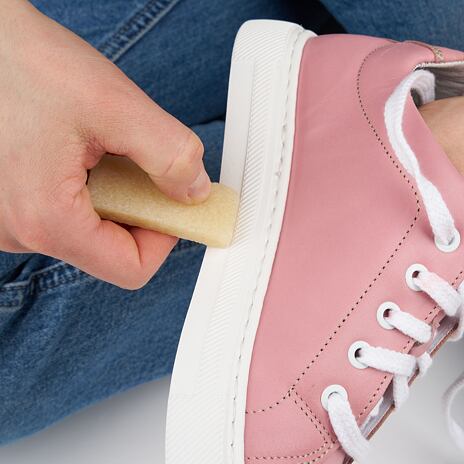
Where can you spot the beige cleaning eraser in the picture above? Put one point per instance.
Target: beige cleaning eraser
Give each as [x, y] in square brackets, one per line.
[123, 192]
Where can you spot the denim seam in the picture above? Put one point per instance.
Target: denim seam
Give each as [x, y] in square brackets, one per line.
[73, 273]
[40, 276]
[135, 28]
[41, 281]
[50, 278]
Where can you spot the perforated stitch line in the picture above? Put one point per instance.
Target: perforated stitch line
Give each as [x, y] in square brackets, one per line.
[277, 458]
[269, 227]
[433, 311]
[306, 410]
[319, 423]
[392, 255]
[406, 348]
[312, 461]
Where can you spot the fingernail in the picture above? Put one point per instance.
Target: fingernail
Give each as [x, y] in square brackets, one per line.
[199, 189]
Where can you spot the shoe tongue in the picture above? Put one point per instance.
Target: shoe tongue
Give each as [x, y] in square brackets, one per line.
[449, 80]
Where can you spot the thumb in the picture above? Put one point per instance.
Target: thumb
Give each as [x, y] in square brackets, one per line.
[162, 146]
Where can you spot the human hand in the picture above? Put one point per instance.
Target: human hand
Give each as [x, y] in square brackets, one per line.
[445, 119]
[63, 105]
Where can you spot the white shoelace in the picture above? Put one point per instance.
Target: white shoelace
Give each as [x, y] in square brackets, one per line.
[403, 365]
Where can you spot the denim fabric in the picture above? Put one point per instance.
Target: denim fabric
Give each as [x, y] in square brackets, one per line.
[438, 22]
[68, 340]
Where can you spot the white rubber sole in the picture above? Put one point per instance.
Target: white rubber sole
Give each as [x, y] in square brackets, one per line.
[206, 412]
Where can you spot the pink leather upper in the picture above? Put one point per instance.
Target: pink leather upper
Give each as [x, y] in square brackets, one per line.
[353, 224]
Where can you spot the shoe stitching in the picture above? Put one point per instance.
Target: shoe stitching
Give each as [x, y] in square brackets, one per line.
[326, 446]
[313, 418]
[318, 458]
[302, 400]
[276, 191]
[275, 458]
[360, 299]
[432, 312]
[306, 410]
[430, 316]
[293, 387]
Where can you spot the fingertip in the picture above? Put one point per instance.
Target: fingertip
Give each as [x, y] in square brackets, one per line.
[200, 188]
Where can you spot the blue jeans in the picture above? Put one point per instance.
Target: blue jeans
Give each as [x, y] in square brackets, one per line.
[68, 340]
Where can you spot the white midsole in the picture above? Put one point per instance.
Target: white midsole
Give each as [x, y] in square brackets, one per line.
[206, 411]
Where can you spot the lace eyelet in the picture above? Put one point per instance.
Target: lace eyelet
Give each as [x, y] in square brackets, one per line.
[381, 313]
[452, 246]
[411, 274]
[330, 390]
[352, 354]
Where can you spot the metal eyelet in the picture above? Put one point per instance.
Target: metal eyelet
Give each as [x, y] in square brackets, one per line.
[330, 390]
[411, 273]
[384, 308]
[452, 246]
[352, 354]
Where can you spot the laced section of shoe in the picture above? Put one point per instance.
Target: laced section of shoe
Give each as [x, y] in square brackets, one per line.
[404, 365]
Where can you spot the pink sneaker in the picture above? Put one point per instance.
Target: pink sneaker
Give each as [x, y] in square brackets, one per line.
[342, 278]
